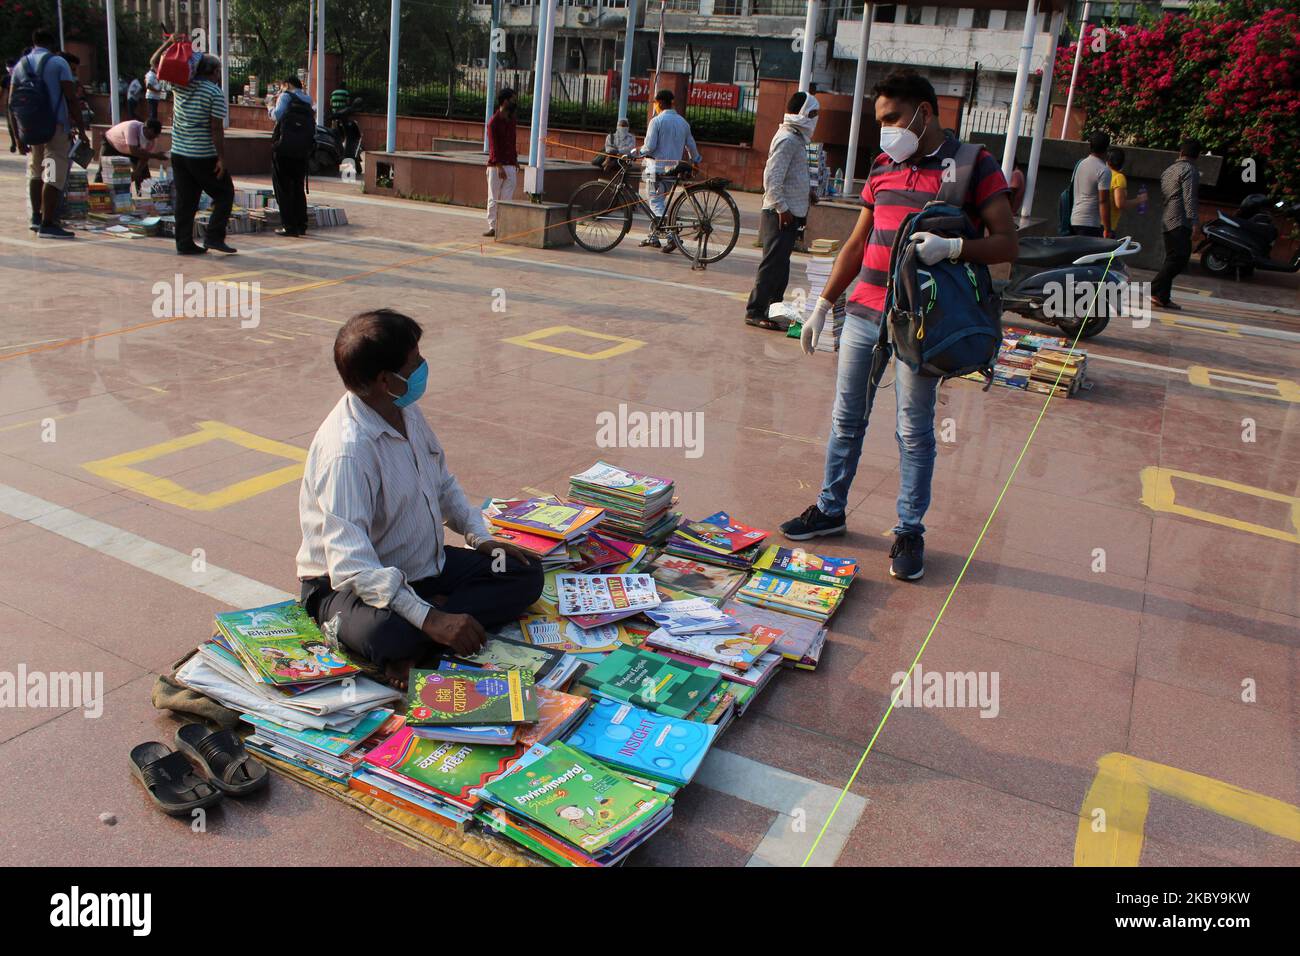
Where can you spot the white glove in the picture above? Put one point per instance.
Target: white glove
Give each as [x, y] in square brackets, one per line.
[813, 327]
[931, 248]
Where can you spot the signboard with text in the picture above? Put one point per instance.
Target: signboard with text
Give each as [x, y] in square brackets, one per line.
[717, 95]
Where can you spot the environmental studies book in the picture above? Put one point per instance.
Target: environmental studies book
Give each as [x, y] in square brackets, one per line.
[559, 520]
[651, 681]
[642, 742]
[470, 697]
[596, 594]
[446, 769]
[806, 566]
[281, 644]
[578, 799]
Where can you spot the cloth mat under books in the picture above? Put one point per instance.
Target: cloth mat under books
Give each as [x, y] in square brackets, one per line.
[479, 847]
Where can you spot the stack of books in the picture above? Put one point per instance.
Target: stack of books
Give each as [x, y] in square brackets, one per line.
[817, 602]
[1058, 371]
[820, 263]
[556, 521]
[76, 196]
[332, 754]
[796, 641]
[552, 551]
[324, 217]
[655, 749]
[572, 809]
[686, 577]
[594, 600]
[718, 540]
[116, 174]
[637, 507]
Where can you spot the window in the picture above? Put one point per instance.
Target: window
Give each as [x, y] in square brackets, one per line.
[914, 15]
[747, 58]
[728, 8]
[1015, 20]
[676, 61]
[981, 21]
[945, 16]
[886, 13]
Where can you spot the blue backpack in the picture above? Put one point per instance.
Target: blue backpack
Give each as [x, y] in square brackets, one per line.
[944, 320]
[35, 117]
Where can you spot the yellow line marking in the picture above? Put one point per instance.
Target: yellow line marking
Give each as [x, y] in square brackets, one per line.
[768, 431]
[533, 341]
[1122, 788]
[1158, 495]
[1210, 326]
[119, 468]
[312, 282]
[1286, 390]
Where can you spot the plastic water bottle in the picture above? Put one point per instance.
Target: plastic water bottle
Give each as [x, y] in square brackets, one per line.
[837, 185]
[1142, 200]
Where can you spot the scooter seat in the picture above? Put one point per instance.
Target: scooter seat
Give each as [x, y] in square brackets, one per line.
[1061, 250]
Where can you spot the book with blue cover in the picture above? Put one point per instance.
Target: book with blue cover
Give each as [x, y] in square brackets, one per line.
[643, 743]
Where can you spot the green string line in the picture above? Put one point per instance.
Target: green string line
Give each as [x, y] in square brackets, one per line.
[953, 590]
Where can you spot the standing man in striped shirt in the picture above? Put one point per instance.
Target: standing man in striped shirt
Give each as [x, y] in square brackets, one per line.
[376, 492]
[918, 161]
[198, 161]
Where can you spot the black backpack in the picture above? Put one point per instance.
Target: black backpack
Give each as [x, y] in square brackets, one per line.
[35, 117]
[295, 131]
[945, 319]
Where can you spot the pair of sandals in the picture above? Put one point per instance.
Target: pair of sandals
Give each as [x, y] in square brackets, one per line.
[169, 779]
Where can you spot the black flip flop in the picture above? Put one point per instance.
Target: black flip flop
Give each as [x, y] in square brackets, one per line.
[170, 781]
[229, 766]
[772, 325]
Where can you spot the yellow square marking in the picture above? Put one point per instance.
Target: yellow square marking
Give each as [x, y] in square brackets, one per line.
[487, 247]
[1114, 812]
[1158, 495]
[311, 282]
[120, 468]
[533, 340]
[1285, 389]
[1198, 324]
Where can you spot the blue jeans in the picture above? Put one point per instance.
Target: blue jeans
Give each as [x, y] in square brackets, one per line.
[916, 397]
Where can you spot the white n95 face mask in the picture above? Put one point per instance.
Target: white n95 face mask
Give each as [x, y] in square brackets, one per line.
[899, 142]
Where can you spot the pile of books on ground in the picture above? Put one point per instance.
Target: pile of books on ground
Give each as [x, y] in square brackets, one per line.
[254, 198]
[76, 196]
[821, 259]
[323, 217]
[571, 731]
[1032, 362]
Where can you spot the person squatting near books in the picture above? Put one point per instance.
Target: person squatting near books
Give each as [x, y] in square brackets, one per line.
[902, 180]
[376, 492]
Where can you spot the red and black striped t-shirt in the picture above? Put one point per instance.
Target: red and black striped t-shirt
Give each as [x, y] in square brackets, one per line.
[896, 190]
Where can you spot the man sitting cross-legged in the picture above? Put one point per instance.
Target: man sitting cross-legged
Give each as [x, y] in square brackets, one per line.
[375, 494]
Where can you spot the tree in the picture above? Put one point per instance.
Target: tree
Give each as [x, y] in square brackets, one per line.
[82, 22]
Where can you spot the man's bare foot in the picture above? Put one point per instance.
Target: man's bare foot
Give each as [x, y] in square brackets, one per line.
[398, 673]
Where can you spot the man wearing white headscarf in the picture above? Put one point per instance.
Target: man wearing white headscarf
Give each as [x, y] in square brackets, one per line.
[787, 192]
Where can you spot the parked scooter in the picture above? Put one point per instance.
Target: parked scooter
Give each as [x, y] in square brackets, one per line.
[339, 141]
[1053, 276]
[1241, 243]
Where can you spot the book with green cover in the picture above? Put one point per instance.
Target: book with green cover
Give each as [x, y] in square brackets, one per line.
[470, 697]
[445, 769]
[651, 681]
[577, 798]
[281, 644]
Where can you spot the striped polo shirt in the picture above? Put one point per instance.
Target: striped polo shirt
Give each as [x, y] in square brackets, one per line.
[896, 190]
[194, 107]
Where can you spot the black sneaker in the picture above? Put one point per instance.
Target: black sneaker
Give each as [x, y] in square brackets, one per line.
[190, 250]
[55, 232]
[221, 246]
[36, 222]
[813, 523]
[650, 241]
[908, 554]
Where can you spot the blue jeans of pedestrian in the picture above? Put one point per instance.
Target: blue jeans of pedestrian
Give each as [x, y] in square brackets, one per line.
[916, 396]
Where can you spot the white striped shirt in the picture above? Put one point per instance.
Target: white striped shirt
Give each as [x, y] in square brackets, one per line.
[372, 507]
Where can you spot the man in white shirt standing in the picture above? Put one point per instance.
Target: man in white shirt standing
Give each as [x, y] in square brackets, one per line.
[153, 92]
[376, 492]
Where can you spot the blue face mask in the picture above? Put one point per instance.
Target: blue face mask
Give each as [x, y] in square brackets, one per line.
[415, 385]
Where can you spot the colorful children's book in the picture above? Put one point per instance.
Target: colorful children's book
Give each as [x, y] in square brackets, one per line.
[815, 601]
[281, 644]
[692, 616]
[556, 713]
[796, 639]
[719, 532]
[336, 743]
[562, 635]
[805, 566]
[561, 521]
[445, 769]
[642, 742]
[695, 577]
[735, 650]
[578, 799]
[601, 594]
[500, 653]
[473, 697]
[651, 681]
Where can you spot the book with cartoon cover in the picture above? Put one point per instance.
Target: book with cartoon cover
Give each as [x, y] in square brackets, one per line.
[796, 639]
[642, 742]
[552, 519]
[448, 770]
[501, 653]
[805, 566]
[578, 799]
[815, 601]
[470, 697]
[281, 644]
[740, 651]
[559, 634]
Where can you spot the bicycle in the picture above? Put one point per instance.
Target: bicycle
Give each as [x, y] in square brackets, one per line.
[701, 215]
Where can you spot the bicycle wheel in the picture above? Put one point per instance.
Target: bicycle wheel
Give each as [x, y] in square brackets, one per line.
[710, 214]
[598, 217]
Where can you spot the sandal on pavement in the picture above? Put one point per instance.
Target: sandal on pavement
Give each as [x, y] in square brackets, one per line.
[169, 779]
[770, 324]
[224, 759]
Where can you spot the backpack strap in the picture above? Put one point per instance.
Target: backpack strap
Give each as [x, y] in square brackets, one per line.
[954, 192]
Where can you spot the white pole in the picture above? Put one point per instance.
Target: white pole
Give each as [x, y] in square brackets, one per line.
[394, 34]
[311, 34]
[535, 124]
[225, 59]
[546, 99]
[210, 43]
[1074, 73]
[490, 90]
[1022, 83]
[659, 54]
[320, 62]
[62, 45]
[629, 36]
[859, 88]
[1040, 119]
[809, 44]
[114, 109]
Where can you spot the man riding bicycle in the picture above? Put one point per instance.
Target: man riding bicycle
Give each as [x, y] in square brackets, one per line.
[666, 138]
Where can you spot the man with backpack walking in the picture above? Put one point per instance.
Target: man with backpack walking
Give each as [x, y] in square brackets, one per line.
[291, 145]
[39, 94]
[198, 163]
[913, 169]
